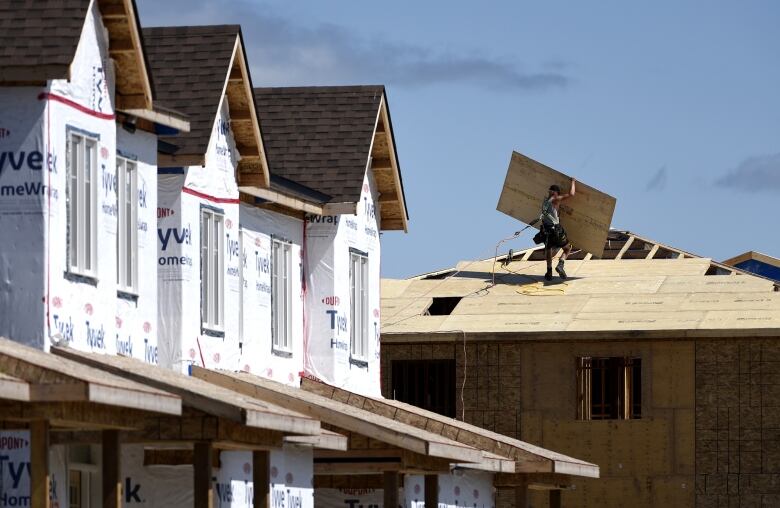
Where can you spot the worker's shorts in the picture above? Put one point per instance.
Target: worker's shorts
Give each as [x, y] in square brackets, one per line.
[554, 236]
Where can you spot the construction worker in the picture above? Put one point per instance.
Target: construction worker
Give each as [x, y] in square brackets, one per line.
[551, 230]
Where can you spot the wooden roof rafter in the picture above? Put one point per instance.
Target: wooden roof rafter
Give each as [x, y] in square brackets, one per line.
[133, 84]
[384, 164]
[253, 166]
[357, 423]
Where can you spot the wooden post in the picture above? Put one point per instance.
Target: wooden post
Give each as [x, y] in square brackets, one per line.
[521, 496]
[391, 489]
[39, 467]
[112, 481]
[555, 499]
[261, 478]
[431, 491]
[201, 465]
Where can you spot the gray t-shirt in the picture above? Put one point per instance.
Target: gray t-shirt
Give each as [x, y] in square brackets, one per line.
[549, 214]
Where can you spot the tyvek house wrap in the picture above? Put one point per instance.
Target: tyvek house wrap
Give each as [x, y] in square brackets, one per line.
[258, 355]
[182, 194]
[171, 486]
[329, 241]
[36, 287]
[460, 489]
[15, 470]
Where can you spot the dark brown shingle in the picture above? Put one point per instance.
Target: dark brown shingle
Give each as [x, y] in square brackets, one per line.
[190, 65]
[320, 137]
[38, 38]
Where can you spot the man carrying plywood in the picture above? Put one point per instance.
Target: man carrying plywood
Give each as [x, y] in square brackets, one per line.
[551, 231]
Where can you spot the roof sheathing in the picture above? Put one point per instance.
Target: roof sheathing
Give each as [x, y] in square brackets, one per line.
[604, 299]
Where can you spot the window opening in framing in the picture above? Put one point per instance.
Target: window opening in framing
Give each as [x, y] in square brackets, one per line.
[443, 305]
[429, 384]
[82, 204]
[358, 284]
[212, 250]
[127, 220]
[281, 295]
[609, 388]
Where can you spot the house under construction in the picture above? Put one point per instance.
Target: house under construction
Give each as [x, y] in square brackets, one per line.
[660, 366]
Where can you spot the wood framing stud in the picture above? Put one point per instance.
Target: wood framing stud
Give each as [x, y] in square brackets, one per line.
[431, 491]
[625, 247]
[390, 488]
[261, 467]
[39, 462]
[112, 479]
[202, 476]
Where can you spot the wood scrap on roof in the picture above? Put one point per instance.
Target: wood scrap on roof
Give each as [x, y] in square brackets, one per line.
[586, 217]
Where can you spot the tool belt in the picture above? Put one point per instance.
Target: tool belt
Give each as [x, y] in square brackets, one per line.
[552, 236]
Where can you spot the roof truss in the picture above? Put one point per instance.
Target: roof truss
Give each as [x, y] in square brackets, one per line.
[386, 173]
[253, 166]
[133, 87]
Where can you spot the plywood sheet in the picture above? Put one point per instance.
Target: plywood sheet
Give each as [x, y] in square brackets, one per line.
[586, 217]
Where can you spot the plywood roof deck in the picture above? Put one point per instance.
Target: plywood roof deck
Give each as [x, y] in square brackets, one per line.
[198, 394]
[56, 379]
[670, 298]
[355, 420]
[529, 458]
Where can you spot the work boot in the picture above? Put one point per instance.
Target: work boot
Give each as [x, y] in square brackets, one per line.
[548, 275]
[560, 269]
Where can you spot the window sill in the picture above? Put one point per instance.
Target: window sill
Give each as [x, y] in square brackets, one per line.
[81, 279]
[358, 362]
[282, 353]
[212, 333]
[125, 295]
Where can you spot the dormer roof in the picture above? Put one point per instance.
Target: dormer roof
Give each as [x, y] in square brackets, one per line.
[326, 138]
[193, 68]
[38, 42]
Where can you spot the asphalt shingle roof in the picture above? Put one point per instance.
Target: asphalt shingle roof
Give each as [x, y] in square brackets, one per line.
[40, 33]
[320, 137]
[190, 65]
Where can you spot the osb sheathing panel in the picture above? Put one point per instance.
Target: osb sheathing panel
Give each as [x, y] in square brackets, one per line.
[528, 390]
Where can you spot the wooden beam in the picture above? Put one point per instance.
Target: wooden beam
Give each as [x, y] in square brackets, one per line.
[248, 151]
[201, 469]
[625, 247]
[339, 209]
[239, 115]
[112, 479]
[388, 197]
[392, 224]
[356, 468]
[261, 478]
[39, 462]
[174, 161]
[652, 252]
[381, 165]
[121, 46]
[276, 197]
[431, 491]
[235, 74]
[327, 441]
[131, 101]
[113, 11]
[390, 489]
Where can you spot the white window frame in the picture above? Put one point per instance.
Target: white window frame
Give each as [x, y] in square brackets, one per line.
[127, 225]
[358, 306]
[212, 259]
[82, 192]
[281, 296]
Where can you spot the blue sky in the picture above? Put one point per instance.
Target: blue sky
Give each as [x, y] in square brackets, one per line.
[671, 107]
